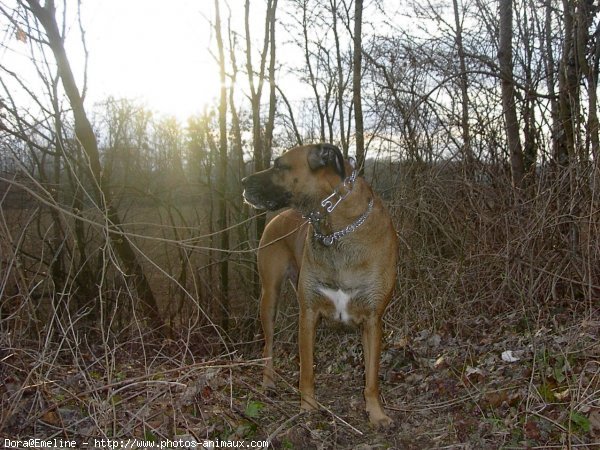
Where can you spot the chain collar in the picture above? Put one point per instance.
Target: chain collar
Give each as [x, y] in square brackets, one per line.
[329, 203]
[328, 239]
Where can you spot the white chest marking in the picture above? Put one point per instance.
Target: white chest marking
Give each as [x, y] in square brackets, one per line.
[340, 300]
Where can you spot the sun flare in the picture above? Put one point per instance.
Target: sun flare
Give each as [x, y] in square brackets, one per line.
[162, 63]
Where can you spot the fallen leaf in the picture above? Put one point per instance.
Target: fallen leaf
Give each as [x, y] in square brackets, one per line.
[206, 393]
[440, 362]
[564, 395]
[474, 374]
[595, 423]
[495, 399]
[434, 340]
[51, 417]
[509, 356]
[532, 430]
[401, 343]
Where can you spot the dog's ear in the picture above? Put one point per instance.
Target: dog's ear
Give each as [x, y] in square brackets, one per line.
[327, 155]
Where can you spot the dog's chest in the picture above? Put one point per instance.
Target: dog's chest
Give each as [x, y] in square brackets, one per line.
[340, 285]
[340, 301]
[347, 305]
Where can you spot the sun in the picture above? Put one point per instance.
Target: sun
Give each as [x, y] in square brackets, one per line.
[181, 87]
[162, 61]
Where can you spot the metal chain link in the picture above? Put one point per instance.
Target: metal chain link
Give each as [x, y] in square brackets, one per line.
[329, 239]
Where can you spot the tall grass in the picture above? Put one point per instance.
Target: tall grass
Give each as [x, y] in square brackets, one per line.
[472, 253]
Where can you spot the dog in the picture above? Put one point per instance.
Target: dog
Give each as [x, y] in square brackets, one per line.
[337, 244]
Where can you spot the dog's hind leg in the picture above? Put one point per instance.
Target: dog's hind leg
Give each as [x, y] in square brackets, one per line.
[306, 344]
[275, 266]
[268, 310]
[372, 349]
[279, 256]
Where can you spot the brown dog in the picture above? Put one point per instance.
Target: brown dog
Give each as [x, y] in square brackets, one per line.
[338, 244]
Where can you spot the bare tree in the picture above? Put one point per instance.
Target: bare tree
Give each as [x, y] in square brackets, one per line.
[508, 94]
[313, 79]
[262, 153]
[341, 81]
[272, 86]
[579, 67]
[356, 85]
[464, 92]
[222, 173]
[85, 135]
[550, 66]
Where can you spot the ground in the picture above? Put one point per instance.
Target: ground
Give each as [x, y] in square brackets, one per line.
[504, 384]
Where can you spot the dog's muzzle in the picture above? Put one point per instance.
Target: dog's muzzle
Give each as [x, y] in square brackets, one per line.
[261, 193]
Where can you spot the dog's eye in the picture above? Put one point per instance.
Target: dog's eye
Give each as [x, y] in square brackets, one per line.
[278, 165]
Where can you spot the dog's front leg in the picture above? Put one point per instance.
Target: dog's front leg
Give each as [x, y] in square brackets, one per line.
[372, 350]
[268, 307]
[306, 343]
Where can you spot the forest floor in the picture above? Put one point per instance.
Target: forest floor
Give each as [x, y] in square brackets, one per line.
[505, 384]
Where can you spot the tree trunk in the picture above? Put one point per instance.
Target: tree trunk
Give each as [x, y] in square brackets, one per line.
[530, 149]
[272, 86]
[567, 88]
[312, 79]
[508, 93]
[261, 153]
[340, 77]
[464, 85]
[551, 83]
[222, 174]
[356, 86]
[85, 134]
[585, 46]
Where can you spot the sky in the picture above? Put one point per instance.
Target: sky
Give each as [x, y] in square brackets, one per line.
[153, 51]
[156, 52]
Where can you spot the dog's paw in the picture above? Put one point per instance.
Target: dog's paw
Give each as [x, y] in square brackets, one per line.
[270, 392]
[379, 419]
[268, 386]
[308, 405]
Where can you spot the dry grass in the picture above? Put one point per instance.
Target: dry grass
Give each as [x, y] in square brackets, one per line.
[481, 272]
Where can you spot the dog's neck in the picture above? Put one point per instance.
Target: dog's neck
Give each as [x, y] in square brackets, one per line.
[342, 212]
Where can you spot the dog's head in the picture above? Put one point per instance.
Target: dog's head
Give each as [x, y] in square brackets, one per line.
[299, 178]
